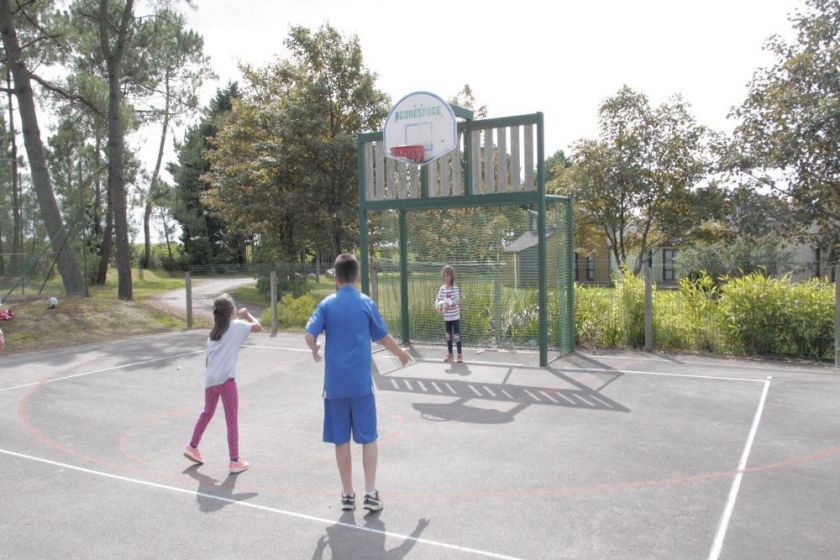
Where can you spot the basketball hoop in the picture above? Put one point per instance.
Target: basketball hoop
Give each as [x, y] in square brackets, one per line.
[413, 154]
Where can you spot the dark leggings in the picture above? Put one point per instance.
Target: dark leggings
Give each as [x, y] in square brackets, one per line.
[453, 331]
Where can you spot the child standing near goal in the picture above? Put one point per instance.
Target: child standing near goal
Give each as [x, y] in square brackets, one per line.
[447, 305]
[230, 329]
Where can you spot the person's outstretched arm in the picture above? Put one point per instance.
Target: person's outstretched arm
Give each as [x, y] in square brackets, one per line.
[388, 342]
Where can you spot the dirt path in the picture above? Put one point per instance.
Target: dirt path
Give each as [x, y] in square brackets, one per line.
[204, 290]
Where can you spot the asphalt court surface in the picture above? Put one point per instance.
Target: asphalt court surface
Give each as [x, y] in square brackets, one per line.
[620, 455]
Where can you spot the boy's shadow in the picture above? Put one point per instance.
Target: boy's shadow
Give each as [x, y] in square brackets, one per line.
[213, 496]
[346, 542]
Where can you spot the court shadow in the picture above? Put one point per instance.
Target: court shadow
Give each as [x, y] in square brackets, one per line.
[459, 411]
[458, 369]
[212, 495]
[348, 540]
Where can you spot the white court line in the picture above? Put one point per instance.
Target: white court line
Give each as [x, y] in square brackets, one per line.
[319, 520]
[278, 348]
[717, 545]
[663, 374]
[54, 379]
[734, 365]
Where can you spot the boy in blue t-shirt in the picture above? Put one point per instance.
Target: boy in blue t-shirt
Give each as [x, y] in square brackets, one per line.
[351, 321]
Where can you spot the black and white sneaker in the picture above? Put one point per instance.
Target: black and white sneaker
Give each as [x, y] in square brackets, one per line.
[348, 503]
[373, 502]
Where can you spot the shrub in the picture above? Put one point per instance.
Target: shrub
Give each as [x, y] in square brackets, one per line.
[630, 296]
[772, 316]
[292, 312]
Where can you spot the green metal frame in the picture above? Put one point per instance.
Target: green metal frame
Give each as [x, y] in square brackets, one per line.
[536, 197]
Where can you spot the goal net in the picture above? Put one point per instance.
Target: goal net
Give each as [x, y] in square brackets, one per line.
[495, 253]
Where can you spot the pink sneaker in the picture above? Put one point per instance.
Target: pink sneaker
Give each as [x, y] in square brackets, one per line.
[239, 466]
[193, 455]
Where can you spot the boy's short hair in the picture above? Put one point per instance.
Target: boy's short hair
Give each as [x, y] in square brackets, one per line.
[346, 268]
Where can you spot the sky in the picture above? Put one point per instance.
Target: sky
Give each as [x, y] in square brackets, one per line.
[562, 58]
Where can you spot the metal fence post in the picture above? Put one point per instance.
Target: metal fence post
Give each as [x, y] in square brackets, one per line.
[273, 282]
[374, 282]
[188, 283]
[837, 316]
[497, 301]
[648, 309]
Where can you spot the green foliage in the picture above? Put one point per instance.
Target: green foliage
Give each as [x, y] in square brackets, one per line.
[206, 237]
[630, 294]
[292, 312]
[774, 317]
[689, 318]
[789, 128]
[634, 182]
[738, 258]
[284, 164]
[752, 315]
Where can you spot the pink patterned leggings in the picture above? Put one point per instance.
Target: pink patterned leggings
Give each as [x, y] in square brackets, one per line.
[230, 402]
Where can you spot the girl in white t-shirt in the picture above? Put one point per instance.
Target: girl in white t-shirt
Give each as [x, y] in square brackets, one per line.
[230, 329]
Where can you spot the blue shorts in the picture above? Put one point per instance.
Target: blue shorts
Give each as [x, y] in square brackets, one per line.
[357, 414]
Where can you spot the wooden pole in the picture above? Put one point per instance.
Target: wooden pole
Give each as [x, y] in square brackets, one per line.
[648, 310]
[273, 283]
[188, 283]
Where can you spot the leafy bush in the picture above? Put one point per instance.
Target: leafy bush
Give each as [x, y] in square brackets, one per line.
[292, 312]
[774, 317]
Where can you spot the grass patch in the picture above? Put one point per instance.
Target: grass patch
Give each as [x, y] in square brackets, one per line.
[100, 317]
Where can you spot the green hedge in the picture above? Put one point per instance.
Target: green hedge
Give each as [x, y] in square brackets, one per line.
[752, 315]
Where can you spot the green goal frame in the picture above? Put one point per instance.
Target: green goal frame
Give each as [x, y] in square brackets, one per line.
[415, 194]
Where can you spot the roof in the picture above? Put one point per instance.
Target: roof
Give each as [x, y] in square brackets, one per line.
[526, 241]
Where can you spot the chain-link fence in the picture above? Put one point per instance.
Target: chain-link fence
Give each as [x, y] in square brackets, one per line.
[757, 313]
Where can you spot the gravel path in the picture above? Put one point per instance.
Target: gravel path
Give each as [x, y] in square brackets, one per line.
[204, 290]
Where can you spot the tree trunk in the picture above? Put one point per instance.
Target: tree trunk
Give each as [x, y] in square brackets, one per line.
[116, 143]
[97, 190]
[17, 221]
[166, 236]
[68, 267]
[150, 198]
[107, 241]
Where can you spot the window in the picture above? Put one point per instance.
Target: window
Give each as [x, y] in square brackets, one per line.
[577, 267]
[669, 274]
[590, 268]
[817, 258]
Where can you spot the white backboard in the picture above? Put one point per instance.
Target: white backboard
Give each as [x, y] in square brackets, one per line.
[421, 119]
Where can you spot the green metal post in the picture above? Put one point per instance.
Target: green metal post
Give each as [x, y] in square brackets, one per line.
[570, 278]
[363, 224]
[542, 247]
[404, 276]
